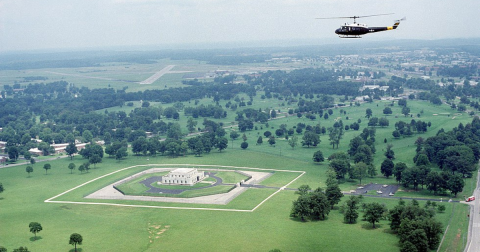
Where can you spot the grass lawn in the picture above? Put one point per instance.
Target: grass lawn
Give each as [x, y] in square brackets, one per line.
[114, 228]
[129, 228]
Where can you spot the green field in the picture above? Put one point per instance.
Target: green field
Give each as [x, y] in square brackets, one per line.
[129, 228]
[123, 225]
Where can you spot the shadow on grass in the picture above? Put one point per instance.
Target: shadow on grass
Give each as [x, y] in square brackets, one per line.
[73, 250]
[369, 226]
[35, 238]
[307, 219]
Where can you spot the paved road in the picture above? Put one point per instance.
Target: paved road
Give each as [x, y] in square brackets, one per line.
[473, 244]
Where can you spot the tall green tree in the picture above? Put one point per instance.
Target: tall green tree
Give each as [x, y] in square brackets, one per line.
[398, 170]
[35, 227]
[71, 149]
[455, 184]
[310, 139]
[29, 170]
[95, 159]
[334, 194]
[222, 143]
[75, 239]
[360, 171]
[293, 141]
[71, 166]
[47, 167]
[368, 113]
[387, 168]
[191, 124]
[318, 157]
[374, 212]
[350, 214]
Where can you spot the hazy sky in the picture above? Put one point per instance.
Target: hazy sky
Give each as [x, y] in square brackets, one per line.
[67, 24]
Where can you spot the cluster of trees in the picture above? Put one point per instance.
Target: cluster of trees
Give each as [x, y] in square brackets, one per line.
[408, 129]
[316, 204]
[416, 227]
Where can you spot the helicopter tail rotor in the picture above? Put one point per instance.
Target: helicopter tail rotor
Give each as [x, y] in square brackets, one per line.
[397, 22]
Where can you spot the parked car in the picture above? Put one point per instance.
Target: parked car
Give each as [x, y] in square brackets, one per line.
[471, 198]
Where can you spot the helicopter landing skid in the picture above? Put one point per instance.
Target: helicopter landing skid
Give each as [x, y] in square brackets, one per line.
[351, 36]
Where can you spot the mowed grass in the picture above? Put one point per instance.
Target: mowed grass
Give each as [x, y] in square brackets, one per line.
[113, 228]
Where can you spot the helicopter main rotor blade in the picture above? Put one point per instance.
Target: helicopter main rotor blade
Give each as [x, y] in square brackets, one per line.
[355, 17]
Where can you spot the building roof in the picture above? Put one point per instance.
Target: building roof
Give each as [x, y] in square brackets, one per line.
[183, 170]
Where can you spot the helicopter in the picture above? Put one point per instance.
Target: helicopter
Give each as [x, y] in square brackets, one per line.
[355, 30]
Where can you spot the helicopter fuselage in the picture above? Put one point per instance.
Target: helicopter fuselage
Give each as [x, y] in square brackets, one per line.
[356, 30]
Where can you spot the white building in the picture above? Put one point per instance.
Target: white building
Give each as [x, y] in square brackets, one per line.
[183, 176]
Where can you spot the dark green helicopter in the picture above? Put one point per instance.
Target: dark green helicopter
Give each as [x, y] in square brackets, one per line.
[355, 30]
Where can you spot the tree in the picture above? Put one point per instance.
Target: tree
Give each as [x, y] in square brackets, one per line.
[271, 140]
[233, 135]
[244, 145]
[387, 168]
[334, 194]
[1, 188]
[360, 171]
[405, 111]
[29, 169]
[303, 190]
[310, 139]
[387, 111]
[244, 137]
[121, 153]
[422, 159]
[35, 227]
[47, 167]
[3, 249]
[319, 205]
[455, 184]
[75, 239]
[32, 161]
[191, 124]
[340, 166]
[383, 122]
[139, 145]
[71, 149]
[318, 157]
[71, 166]
[13, 153]
[95, 159]
[368, 113]
[374, 212]
[293, 141]
[260, 140]
[389, 153]
[301, 207]
[398, 170]
[351, 210]
[222, 143]
[87, 136]
[81, 168]
[363, 154]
